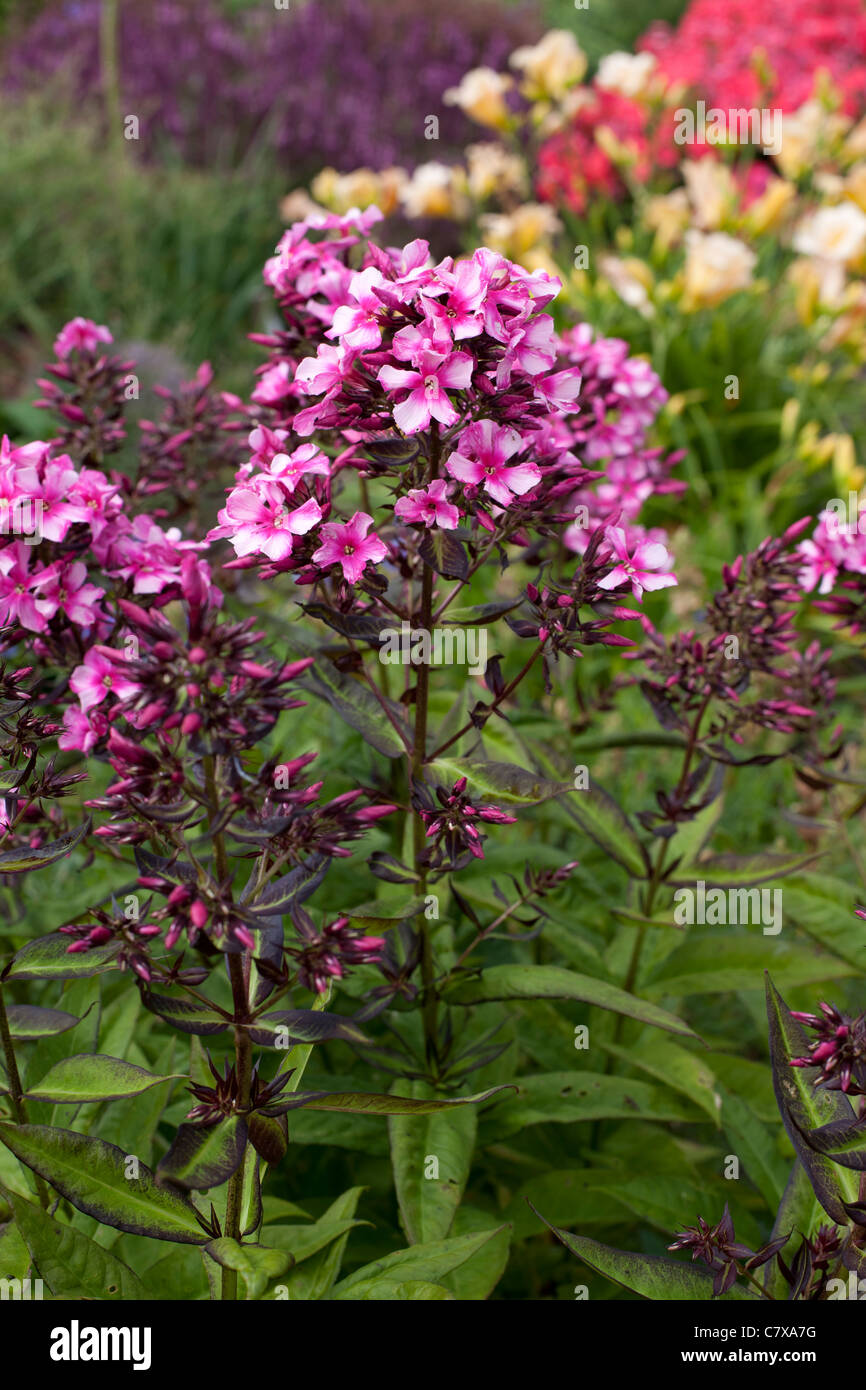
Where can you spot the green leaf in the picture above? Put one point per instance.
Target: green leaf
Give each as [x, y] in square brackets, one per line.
[388, 1290]
[823, 907]
[804, 1106]
[479, 614]
[565, 1097]
[317, 1274]
[92, 1176]
[28, 1021]
[203, 1156]
[381, 913]
[651, 1276]
[478, 1277]
[419, 1262]
[678, 1068]
[739, 870]
[92, 1077]
[444, 553]
[800, 1213]
[256, 1263]
[754, 1144]
[48, 958]
[428, 1202]
[186, 1015]
[599, 817]
[15, 861]
[843, 1141]
[288, 1026]
[369, 1103]
[73, 1265]
[302, 1242]
[552, 982]
[358, 707]
[507, 782]
[715, 963]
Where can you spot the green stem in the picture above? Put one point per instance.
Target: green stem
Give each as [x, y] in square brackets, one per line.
[16, 1091]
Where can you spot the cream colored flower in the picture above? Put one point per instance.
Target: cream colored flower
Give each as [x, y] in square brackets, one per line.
[435, 190]
[514, 234]
[668, 215]
[806, 132]
[717, 265]
[768, 211]
[628, 74]
[835, 233]
[550, 66]
[817, 283]
[360, 188]
[854, 186]
[297, 205]
[491, 169]
[712, 192]
[631, 279]
[481, 95]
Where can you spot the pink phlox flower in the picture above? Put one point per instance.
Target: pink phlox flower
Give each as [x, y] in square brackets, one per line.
[347, 544]
[359, 324]
[429, 505]
[484, 449]
[100, 675]
[63, 587]
[427, 399]
[646, 566]
[289, 469]
[17, 602]
[257, 520]
[530, 349]
[274, 385]
[82, 334]
[464, 289]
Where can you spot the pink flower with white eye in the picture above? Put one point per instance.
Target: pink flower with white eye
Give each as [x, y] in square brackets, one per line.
[274, 385]
[63, 588]
[19, 492]
[413, 268]
[17, 603]
[346, 543]
[101, 675]
[645, 568]
[820, 567]
[82, 334]
[559, 390]
[291, 468]
[427, 399]
[257, 521]
[483, 450]
[59, 512]
[429, 505]
[358, 324]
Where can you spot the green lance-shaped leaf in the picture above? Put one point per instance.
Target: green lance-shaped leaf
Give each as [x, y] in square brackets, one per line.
[390, 1291]
[313, 1278]
[427, 1263]
[364, 1103]
[203, 1156]
[73, 1265]
[507, 782]
[359, 708]
[605, 822]
[799, 1215]
[651, 1276]
[29, 1021]
[805, 1107]
[256, 1263]
[739, 870]
[186, 1015]
[842, 1140]
[92, 1175]
[48, 958]
[92, 1077]
[552, 982]
[429, 1201]
[285, 1027]
[16, 861]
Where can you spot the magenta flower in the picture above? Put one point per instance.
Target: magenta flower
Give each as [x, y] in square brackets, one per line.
[427, 399]
[346, 543]
[465, 290]
[17, 602]
[291, 468]
[429, 505]
[101, 675]
[63, 587]
[358, 324]
[483, 450]
[257, 520]
[647, 567]
[58, 513]
[82, 334]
